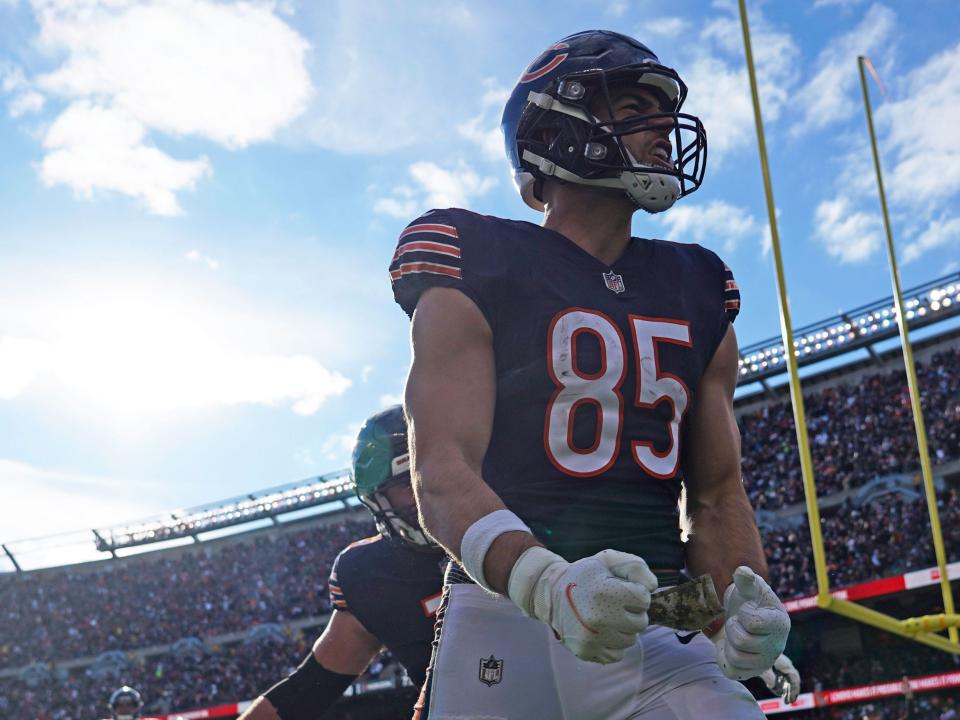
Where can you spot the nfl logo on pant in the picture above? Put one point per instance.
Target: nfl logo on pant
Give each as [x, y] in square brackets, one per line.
[491, 671]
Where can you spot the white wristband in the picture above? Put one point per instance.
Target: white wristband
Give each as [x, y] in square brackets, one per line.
[480, 536]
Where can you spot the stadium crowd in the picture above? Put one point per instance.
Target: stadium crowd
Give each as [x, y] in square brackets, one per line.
[886, 536]
[933, 706]
[858, 431]
[174, 681]
[158, 599]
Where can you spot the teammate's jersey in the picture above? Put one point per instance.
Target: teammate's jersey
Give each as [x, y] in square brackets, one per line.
[394, 591]
[596, 367]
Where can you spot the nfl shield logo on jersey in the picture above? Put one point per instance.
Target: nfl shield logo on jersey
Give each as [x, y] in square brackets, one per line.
[614, 282]
[491, 671]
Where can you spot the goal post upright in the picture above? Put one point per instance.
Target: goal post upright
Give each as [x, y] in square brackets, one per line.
[786, 329]
[921, 629]
[913, 384]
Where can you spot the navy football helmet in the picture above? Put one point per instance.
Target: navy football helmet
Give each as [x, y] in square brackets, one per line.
[125, 704]
[556, 92]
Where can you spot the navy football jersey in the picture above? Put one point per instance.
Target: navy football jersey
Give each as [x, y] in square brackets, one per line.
[596, 367]
[394, 591]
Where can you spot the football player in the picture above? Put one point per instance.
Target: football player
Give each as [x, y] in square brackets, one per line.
[567, 380]
[385, 589]
[125, 704]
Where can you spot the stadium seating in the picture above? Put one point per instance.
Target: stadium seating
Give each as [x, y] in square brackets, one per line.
[858, 431]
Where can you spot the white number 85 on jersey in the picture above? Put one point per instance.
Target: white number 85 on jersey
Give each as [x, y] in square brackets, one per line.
[601, 389]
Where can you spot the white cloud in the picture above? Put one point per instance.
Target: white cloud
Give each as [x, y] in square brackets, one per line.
[828, 96]
[145, 370]
[365, 372]
[921, 130]
[233, 74]
[21, 361]
[338, 446]
[91, 148]
[28, 102]
[938, 233]
[616, 9]
[390, 399]
[400, 209]
[23, 98]
[197, 256]
[436, 187]
[720, 89]
[156, 352]
[717, 222]
[848, 235]
[374, 95]
[484, 128]
[69, 501]
[923, 177]
[668, 27]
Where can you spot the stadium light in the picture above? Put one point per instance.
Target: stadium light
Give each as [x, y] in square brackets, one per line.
[268, 503]
[863, 326]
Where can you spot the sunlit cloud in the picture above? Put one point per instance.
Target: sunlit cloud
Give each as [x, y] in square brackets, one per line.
[196, 256]
[69, 501]
[434, 187]
[828, 96]
[147, 356]
[848, 235]
[236, 77]
[717, 222]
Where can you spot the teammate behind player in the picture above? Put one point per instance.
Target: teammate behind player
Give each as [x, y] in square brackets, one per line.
[384, 589]
[125, 704]
[567, 380]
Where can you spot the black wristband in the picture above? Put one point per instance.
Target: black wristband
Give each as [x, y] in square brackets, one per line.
[308, 691]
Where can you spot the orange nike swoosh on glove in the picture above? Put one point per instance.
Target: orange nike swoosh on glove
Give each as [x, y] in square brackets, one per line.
[576, 613]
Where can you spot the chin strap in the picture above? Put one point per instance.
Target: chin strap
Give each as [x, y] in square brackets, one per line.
[652, 191]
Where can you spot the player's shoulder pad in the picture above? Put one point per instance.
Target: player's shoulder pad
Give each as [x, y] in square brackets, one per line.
[446, 248]
[345, 566]
[726, 283]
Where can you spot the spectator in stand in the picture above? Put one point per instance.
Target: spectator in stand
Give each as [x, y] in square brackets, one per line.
[887, 536]
[857, 432]
[72, 612]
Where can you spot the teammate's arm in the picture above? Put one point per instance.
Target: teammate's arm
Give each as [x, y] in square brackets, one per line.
[339, 655]
[725, 533]
[450, 397]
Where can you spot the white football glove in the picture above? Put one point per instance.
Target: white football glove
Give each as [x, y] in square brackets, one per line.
[783, 679]
[596, 606]
[756, 627]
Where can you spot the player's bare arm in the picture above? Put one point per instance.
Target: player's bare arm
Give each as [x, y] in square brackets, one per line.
[341, 653]
[725, 540]
[450, 399]
[725, 533]
[345, 646]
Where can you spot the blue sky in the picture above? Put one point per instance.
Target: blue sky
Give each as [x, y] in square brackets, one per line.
[199, 200]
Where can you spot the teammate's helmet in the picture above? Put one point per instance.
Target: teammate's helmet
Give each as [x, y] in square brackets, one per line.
[556, 92]
[381, 459]
[125, 704]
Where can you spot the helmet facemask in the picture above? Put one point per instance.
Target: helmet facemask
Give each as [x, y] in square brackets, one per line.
[585, 150]
[398, 522]
[125, 704]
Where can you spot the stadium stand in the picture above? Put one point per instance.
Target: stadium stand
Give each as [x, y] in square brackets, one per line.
[218, 621]
[859, 429]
